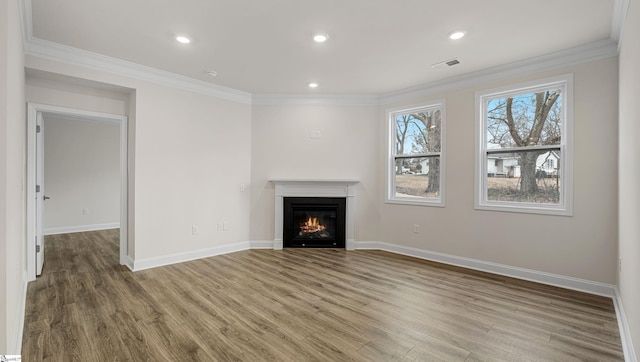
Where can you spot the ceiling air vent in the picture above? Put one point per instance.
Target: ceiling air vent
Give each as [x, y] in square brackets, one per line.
[445, 64]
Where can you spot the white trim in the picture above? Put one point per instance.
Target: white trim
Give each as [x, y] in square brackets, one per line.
[129, 262]
[390, 193]
[15, 347]
[557, 280]
[26, 21]
[147, 263]
[74, 56]
[582, 285]
[261, 244]
[314, 188]
[625, 333]
[70, 55]
[589, 52]
[32, 110]
[618, 18]
[565, 206]
[80, 228]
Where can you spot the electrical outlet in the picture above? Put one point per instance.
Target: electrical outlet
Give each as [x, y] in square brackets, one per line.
[220, 226]
[85, 211]
[416, 228]
[195, 230]
[619, 265]
[243, 187]
[225, 226]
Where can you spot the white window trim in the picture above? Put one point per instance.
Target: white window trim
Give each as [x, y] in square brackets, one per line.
[390, 196]
[565, 207]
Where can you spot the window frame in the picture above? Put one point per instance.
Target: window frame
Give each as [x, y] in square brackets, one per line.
[390, 194]
[482, 98]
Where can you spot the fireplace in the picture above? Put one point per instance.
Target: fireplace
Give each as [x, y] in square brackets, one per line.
[329, 188]
[314, 222]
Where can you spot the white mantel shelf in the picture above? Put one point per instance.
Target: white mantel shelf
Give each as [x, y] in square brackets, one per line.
[315, 188]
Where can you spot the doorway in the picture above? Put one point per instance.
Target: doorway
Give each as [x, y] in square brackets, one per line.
[35, 186]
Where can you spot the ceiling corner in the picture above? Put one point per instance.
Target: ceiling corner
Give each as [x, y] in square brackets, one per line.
[618, 17]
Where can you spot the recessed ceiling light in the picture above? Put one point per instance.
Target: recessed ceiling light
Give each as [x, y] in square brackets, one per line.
[456, 35]
[183, 39]
[320, 38]
[313, 85]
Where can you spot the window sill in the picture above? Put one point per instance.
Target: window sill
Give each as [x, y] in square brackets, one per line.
[525, 208]
[416, 202]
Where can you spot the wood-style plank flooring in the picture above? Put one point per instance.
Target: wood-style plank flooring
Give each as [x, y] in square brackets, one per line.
[300, 305]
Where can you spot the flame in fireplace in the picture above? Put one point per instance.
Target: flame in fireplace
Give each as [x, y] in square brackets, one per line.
[312, 226]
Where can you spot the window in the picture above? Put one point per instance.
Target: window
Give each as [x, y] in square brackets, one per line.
[528, 128]
[416, 162]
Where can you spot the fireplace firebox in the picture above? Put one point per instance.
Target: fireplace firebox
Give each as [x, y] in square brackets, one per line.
[314, 222]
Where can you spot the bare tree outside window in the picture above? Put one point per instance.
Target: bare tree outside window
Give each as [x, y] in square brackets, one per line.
[523, 144]
[417, 153]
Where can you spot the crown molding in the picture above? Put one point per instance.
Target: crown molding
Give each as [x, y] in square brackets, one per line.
[74, 56]
[589, 52]
[26, 20]
[53, 51]
[618, 17]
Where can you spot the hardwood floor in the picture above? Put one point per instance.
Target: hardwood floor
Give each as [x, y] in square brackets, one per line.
[301, 305]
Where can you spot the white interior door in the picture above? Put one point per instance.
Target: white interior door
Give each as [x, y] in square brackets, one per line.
[40, 196]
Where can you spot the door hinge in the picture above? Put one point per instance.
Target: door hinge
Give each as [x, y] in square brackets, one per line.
[38, 129]
[37, 248]
[37, 188]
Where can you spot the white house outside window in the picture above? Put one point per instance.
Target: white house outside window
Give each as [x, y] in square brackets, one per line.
[525, 144]
[416, 162]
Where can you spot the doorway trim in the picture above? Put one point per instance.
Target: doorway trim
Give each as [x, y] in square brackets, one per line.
[32, 112]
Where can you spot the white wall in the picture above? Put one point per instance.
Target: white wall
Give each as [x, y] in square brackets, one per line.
[54, 89]
[188, 155]
[81, 173]
[68, 91]
[282, 149]
[12, 173]
[629, 196]
[581, 246]
[192, 153]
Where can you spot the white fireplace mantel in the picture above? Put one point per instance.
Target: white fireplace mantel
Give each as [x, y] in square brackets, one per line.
[315, 188]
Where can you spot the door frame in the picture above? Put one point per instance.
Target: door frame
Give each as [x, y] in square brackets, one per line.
[32, 112]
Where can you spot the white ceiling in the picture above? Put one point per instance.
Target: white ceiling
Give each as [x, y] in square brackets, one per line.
[374, 46]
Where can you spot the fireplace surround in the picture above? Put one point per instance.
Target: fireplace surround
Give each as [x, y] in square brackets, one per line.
[292, 188]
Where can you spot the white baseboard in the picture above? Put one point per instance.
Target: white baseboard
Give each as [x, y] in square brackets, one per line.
[557, 280]
[15, 348]
[261, 244]
[141, 264]
[562, 281]
[625, 333]
[129, 262]
[80, 228]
